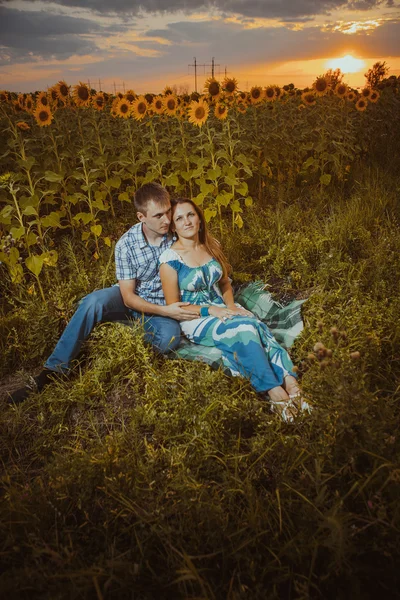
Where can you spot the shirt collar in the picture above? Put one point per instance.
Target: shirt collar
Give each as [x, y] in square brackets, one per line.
[143, 243]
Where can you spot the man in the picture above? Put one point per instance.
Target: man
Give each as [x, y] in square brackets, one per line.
[139, 295]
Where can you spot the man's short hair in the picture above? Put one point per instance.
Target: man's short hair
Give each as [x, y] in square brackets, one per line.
[147, 193]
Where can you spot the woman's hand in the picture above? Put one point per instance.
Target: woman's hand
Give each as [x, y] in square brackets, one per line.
[221, 312]
[240, 311]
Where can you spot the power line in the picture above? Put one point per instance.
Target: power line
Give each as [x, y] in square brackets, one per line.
[204, 65]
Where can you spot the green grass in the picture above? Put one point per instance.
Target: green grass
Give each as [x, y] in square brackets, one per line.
[144, 478]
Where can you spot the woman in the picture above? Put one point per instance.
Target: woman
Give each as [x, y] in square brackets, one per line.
[195, 270]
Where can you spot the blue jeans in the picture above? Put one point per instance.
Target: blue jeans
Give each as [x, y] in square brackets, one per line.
[104, 306]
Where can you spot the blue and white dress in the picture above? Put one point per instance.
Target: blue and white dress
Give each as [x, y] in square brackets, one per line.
[248, 347]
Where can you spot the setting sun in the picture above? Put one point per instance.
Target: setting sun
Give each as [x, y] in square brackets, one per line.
[347, 64]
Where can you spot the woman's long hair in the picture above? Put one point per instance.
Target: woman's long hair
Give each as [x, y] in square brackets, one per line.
[212, 245]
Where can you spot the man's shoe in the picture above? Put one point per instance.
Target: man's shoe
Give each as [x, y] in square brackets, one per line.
[36, 384]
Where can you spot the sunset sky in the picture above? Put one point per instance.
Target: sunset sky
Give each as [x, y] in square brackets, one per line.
[145, 45]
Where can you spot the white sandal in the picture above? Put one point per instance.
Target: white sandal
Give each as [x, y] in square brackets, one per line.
[287, 416]
[304, 405]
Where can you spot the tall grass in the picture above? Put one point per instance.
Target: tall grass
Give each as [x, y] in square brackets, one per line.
[142, 477]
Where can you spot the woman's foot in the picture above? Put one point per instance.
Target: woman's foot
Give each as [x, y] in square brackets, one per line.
[282, 404]
[295, 395]
[291, 385]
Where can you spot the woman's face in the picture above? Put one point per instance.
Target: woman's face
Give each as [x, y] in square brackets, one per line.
[186, 220]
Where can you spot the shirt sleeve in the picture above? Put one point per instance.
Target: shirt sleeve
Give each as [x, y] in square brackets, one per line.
[125, 265]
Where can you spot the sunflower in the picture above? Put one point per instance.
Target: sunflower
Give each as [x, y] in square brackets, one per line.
[4, 96]
[341, 90]
[22, 125]
[366, 92]
[269, 93]
[29, 103]
[81, 94]
[301, 106]
[256, 94]
[230, 85]
[170, 105]
[17, 106]
[374, 97]
[278, 92]
[113, 109]
[308, 98]
[213, 88]
[130, 95]
[361, 104]
[62, 90]
[139, 108]
[43, 115]
[198, 112]
[52, 93]
[241, 107]
[321, 85]
[98, 101]
[158, 105]
[351, 96]
[221, 111]
[21, 100]
[195, 96]
[149, 98]
[42, 99]
[123, 108]
[168, 90]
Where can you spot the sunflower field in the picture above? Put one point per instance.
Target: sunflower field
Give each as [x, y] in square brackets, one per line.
[73, 159]
[149, 478]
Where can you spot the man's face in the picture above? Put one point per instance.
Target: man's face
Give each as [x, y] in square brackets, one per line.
[157, 218]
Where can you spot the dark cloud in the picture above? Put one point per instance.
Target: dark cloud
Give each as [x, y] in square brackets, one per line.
[26, 35]
[288, 9]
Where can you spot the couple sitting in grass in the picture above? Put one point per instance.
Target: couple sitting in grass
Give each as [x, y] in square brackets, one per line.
[173, 276]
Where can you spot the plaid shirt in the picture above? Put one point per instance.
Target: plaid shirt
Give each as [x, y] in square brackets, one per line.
[136, 259]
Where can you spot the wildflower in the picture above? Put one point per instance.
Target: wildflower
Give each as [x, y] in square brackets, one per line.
[355, 355]
[168, 91]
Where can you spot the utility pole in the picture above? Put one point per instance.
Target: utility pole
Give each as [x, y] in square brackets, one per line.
[204, 65]
[195, 73]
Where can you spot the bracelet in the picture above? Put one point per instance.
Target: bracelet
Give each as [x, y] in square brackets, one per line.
[204, 312]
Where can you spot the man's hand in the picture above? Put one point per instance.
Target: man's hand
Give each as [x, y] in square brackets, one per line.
[179, 313]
